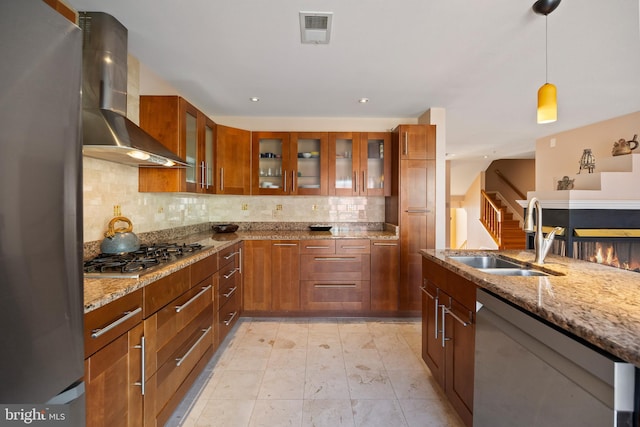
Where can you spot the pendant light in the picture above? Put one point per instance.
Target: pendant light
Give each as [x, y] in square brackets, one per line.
[547, 94]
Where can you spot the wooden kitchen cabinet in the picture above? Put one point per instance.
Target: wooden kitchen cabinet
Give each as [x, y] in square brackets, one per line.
[417, 142]
[187, 132]
[233, 160]
[229, 298]
[285, 276]
[179, 336]
[411, 206]
[335, 275]
[279, 165]
[385, 274]
[113, 363]
[271, 274]
[358, 165]
[448, 334]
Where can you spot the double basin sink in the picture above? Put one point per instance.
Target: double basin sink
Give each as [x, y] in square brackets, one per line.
[495, 265]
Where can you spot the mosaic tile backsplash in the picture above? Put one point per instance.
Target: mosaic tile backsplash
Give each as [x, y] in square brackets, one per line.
[111, 189]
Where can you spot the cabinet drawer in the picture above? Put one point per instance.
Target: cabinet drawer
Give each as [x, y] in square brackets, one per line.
[162, 292]
[229, 255]
[183, 358]
[353, 246]
[228, 287]
[105, 324]
[203, 269]
[335, 295]
[434, 273]
[318, 246]
[335, 267]
[170, 327]
[228, 314]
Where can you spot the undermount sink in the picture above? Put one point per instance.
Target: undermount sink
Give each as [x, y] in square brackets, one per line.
[495, 265]
[485, 262]
[513, 272]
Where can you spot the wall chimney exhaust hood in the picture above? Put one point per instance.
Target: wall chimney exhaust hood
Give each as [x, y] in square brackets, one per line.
[107, 133]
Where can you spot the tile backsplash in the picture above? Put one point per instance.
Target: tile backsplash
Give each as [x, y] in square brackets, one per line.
[111, 189]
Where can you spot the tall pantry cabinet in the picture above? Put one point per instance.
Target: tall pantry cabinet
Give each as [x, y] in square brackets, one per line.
[411, 205]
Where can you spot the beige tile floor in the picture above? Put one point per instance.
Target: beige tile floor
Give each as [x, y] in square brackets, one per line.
[320, 373]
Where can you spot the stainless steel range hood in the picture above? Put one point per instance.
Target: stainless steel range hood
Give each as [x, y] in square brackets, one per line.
[107, 133]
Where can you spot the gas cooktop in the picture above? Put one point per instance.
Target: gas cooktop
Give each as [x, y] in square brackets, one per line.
[132, 265]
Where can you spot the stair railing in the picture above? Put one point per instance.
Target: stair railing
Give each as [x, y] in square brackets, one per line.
[491, 217]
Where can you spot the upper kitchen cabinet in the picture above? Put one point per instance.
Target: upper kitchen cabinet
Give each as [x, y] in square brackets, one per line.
[416, 142]
[289, 163]
[358, 165]
[273, 172]
[310, 154]
[233, 160]
[183, 129]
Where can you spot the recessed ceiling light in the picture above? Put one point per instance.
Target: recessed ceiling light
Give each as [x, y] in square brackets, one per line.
[254, 99]
[363, 100]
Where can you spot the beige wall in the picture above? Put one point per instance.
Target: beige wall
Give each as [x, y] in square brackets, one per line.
[553, 162]
[477, 237]
[520, 172]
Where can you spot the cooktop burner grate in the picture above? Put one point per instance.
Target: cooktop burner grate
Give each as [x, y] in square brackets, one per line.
[133, 264]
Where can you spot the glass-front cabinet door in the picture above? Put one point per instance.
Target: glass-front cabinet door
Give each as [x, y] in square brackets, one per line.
[374, 165]
[309, 159]
[271, 172]
[206, 152]
[191, 146]
[344, 163]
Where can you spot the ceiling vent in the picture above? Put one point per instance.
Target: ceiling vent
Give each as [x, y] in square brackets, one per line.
[315, 27]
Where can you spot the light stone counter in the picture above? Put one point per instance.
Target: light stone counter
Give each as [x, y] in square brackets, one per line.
[99, 292]
[597, 303]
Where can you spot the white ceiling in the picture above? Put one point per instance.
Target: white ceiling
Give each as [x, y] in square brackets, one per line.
[482, 61]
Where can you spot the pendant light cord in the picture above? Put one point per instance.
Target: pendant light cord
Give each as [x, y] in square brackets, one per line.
[546, 49]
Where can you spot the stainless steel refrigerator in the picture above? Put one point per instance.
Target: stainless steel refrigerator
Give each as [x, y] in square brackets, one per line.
[41, 291]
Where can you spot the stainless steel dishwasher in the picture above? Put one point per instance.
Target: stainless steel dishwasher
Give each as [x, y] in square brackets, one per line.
[529, 373]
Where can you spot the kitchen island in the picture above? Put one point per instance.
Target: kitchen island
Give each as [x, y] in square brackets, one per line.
[596, 303]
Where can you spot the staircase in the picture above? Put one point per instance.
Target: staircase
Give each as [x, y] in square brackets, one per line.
[504, 230]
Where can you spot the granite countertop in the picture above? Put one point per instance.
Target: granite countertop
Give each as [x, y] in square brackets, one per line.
[597, 303]
[101, 291]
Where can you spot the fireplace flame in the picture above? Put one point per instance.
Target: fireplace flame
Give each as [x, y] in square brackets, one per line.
[605, 256]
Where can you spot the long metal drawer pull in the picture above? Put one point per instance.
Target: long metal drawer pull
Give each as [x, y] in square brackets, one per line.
[284, 186]
[316, 247]
[142, 348]
[364, 180]
[293, 181]
[230, 319]
[240, 259]
[418, 210]
[353, 247]
[285, 244]
[231, 255]
[334, 285]
[234, 271]
[204, 334]
[96, 333]
[384, 244]
[444, 333]
[465, 324]
[435, 310]
[231, 291]
[179, 308]
[202, 167]
[221, 178]
[334, 258]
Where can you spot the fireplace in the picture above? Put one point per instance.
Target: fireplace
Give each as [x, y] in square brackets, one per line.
[604, 236]
[619, 254]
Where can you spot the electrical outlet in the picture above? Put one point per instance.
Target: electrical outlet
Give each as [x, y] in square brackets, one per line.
[116, 210]
[160, 210]
[278, 207]
[314, 207]
[245, 206]
[552, 142]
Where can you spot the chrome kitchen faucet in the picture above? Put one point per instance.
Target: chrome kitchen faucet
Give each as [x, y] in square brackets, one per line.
[541, 244]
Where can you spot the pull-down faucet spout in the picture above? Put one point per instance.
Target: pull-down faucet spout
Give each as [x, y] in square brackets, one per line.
[541, 244]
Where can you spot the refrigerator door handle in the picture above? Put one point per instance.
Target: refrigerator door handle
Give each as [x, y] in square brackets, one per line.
[69, 395]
